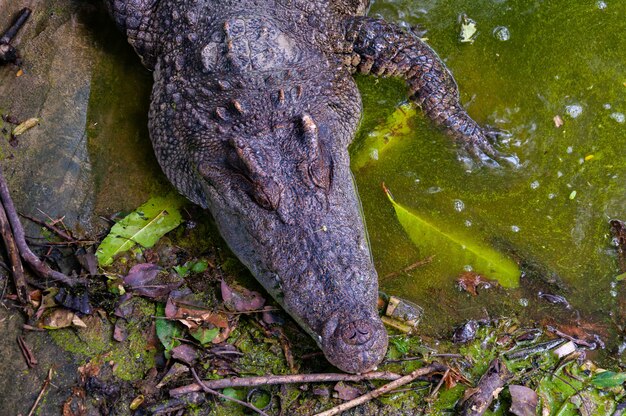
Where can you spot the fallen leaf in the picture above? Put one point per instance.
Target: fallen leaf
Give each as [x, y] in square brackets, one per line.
[175, 372]
[399, 124]
[167, 331]
[524, 400]
[240, 299]
[119, 331]
[608, 379]
[558, 121]
[56, 319]
[203, 334]
[470, 282]
[74, 300]
[346, 392]
[147, 280]
[185, 353]
[461, 250]
[25, 126]
[144, 226]
[77, 322]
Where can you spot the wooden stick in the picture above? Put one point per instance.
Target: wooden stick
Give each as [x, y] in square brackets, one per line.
[39, 267]
[61, 233]
[44, 387]
[223, 396]
[10, 33]
[384, 389]
[289, 379]
[17, 270]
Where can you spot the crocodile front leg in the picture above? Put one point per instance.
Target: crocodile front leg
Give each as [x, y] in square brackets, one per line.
[383, 49]
[136, 18]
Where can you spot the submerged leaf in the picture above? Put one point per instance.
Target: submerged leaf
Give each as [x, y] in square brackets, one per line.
[398, 124]
[608, 379]
[431, 239]
[144, 226]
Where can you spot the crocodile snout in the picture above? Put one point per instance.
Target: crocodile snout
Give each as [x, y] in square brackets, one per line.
[357, 332]
[354, 346]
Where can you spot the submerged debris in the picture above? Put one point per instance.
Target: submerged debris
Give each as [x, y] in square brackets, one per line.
[618, 231]
[468, 31]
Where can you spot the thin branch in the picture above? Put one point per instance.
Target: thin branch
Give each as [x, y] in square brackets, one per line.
[39, 267]
[434, 367]
[288, 379]
[44, 387]
[17, 270]
[223, 396]
[10, 33]
[61, 233]
[443, 379]
[411, 267]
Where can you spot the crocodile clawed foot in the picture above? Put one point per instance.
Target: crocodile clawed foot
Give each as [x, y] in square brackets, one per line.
[483, 150]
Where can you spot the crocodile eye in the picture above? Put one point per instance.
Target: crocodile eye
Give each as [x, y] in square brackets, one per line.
[317, 165]
[259, 184]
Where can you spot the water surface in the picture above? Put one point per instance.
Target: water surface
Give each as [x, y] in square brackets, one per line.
[562, 59]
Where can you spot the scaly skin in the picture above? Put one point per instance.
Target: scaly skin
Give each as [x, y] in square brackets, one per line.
[252, 112]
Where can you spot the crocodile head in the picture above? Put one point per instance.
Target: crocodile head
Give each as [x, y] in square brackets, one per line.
[286, 204]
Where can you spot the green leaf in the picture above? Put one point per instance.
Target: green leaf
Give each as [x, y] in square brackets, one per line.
[620, 277]
[182, 271]
[401, 344]
[608, 379]
[234, 393]
[432, 240]
[204, 335]
[398, 124]
[198, 266]
[145, 226]
[167, 331]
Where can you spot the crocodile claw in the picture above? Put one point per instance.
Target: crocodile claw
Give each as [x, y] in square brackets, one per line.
[482, 150]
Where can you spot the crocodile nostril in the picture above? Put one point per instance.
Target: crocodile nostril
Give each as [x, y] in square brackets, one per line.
[357, 332]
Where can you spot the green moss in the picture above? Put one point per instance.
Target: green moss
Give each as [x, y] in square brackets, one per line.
[131, 358]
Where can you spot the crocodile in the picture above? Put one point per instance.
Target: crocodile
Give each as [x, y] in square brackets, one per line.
[252, 110]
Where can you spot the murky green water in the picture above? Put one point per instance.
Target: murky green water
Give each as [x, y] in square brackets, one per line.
[563, 58]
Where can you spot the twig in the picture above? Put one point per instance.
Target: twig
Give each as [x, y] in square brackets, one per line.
[411, 267]
[384, 389]
[39, 267]
[568, 337]
[61, 233]
[44, 387]
[17, 270]
[289, 379]
[223, 396]
[31, 361]
[443, 379]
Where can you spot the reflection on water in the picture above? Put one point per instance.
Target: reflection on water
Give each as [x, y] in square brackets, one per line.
[560, 62]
